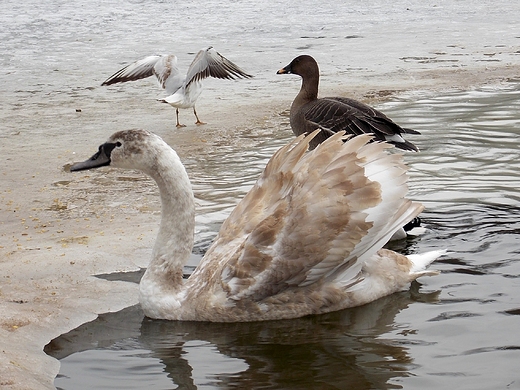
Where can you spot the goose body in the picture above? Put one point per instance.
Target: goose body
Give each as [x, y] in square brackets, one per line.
[183, 90]
[333, 114]
[306, 239]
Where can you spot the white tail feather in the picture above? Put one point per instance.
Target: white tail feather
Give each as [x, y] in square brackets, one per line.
[421, 261]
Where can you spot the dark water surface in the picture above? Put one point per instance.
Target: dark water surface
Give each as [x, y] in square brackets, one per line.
[456, 330]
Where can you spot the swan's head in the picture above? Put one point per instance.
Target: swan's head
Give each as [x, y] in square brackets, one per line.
[130, 149]
[302, 65]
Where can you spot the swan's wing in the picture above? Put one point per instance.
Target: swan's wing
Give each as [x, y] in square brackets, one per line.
[343, 114]
[164, 67]
[314, 218]
[209, 63]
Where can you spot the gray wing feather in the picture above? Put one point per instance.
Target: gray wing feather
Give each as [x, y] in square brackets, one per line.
[135, 71]
[209, 63]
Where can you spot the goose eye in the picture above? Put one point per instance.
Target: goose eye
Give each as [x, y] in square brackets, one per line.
[118, 144]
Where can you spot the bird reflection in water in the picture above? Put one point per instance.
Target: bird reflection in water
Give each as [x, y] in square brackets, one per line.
[352, 348]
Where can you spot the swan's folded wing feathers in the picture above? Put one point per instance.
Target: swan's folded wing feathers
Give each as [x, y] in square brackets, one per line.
[256, 208]
[260, 210]
[310, 238]
[332, 210]
[268, 192]
[389, 215]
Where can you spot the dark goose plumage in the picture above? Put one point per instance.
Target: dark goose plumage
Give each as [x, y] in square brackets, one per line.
[332, 114]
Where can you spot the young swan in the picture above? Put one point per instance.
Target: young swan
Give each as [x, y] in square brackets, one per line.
[306, 239]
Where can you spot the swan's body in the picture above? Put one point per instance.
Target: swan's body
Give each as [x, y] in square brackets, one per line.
[306, 239]
[333, 114]
[183, 90]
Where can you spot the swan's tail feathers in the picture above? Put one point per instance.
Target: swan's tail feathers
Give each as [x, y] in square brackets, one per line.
[420, 263]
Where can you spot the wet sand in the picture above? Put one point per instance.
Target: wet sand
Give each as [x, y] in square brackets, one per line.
[59, 229]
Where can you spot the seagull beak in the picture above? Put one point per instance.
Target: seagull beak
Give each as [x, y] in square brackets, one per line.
[100, 159]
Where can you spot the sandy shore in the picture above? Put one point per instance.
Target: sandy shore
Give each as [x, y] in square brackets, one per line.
[59, 229]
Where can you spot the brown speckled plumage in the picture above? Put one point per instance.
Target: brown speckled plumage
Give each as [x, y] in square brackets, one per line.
[306, 239]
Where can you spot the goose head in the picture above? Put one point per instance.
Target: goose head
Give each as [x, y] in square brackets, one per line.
[303, 66]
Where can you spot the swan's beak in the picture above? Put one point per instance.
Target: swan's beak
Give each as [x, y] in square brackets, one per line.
[285, 70]
[100, 159]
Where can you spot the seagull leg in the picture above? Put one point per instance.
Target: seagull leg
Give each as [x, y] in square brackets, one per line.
[178, 124]
[199, 122]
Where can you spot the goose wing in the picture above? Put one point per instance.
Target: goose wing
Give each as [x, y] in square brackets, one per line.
[210, 63]
[344, 114]
[312, 218]
[380, 120]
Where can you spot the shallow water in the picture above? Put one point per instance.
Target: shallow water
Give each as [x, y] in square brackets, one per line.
[455, 330]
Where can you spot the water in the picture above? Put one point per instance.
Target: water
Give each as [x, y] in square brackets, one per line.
[458, 329]
[455, 330]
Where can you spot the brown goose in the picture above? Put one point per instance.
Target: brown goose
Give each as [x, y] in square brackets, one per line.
[333, 114]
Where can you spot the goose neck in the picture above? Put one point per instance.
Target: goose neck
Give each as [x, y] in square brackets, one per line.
[309, 89]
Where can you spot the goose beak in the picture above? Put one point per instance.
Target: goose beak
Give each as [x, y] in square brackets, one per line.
[100, 159]
[285, 70]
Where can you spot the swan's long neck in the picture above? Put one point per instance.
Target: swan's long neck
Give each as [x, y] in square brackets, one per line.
[172, 250]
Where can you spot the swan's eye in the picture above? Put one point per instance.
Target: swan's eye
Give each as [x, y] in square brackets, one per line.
[118, 144]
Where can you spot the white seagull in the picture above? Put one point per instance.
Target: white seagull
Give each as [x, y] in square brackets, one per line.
[183, 91]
